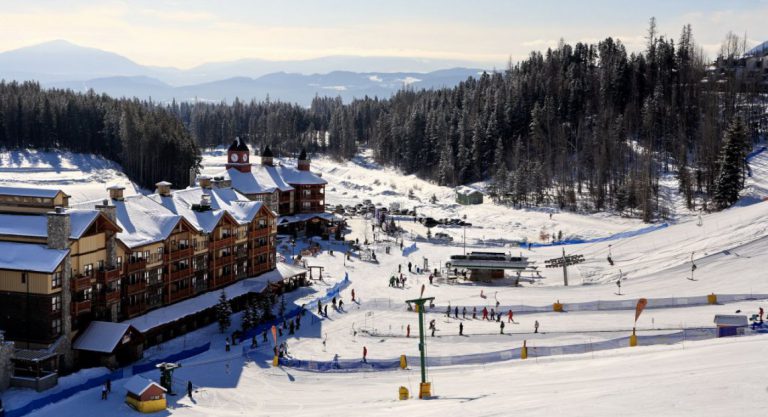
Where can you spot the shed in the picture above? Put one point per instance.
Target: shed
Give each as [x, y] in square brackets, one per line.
[145, 395]
[730, 324]
[468, 195]
[109, 344]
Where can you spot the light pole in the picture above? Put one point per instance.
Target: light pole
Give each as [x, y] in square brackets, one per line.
[464, 226]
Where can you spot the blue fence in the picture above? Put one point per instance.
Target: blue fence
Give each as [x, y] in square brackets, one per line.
[184, 354]
[63, 394]
[331, 292]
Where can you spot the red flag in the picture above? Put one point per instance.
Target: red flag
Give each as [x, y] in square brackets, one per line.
[641, 303]
[274, 334]
[422, 291]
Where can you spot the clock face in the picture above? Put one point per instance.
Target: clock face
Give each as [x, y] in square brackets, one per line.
[233, 157]
[245, 157]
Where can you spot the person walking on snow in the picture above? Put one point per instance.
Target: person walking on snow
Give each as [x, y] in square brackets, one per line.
[365, 354]
[501, 325]
[463, 312]
[409, 266]
[456, 312]
[485, 313]
[536, 326]
[474, 313]
[448, 311]
[408, 331]
[461, 329]
[226, 346]
[761, 314]
[341, 304]
[353, 295]
[509, 317]
[104, 392]
[189, 389]
[430, 279]
[399, 268]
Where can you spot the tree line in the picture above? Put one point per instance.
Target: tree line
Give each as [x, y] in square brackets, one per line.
[148, 141]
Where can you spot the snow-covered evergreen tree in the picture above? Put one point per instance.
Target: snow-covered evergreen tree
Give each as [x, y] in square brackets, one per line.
[223, 312]
[730, 179]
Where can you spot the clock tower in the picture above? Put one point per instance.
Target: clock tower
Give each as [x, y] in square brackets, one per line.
[238, 156]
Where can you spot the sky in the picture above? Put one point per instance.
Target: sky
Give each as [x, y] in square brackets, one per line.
[185, 33]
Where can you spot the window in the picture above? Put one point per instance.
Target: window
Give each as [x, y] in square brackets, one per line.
[56, 327]
[55, 303]
[306, 204]
[183, 244]
[119, 262]
[56, 280]
[88, 269]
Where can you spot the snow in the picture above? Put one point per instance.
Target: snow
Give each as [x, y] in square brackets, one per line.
[261, 179]
[101, 336]
[138, 384]
[29, 192]
[226, 199]
[142, 219]
[82, 176]
[293, 175]
[37, 225]
[29, 257]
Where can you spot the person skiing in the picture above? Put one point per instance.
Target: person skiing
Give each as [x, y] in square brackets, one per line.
[341, 304]
[365, 354]
[760, 311]
[461, 329]
[353, 295]
[409, 266]
[408, 331]
[485, 313]
[493, 314]
[325, 310]
[226, 345]
[509, 316]
[536, 326]
[474, 313]
[433, 327]
[456, 312]
[399, 268]
[501, 326]
[463, 312]
[189, 389]
[430, 279]
[104, 392]
[320, 306]
[448, 311]
[333, 301]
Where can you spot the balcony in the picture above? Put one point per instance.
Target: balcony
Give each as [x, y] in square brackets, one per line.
[105, 277]
[181, 293]
[111, 297]
[82, 282]
[81, 307]
[223, 243]
[241, 254]
[133, 310]
[181, 273]
[137, 287]
[136, 265]
[224, 260]
[178, 254]
[259, 232]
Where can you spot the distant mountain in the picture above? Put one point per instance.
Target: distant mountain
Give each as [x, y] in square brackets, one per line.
[283, 86]
[63, 64]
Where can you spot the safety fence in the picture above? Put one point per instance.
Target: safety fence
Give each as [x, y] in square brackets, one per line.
[333, 291]
[620, 235]
[338, 365]
[64, 394]
[184, 354]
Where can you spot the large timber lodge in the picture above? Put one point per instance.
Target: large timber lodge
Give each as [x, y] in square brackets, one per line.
[74, 275]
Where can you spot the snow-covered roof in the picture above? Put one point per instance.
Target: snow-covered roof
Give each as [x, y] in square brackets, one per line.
[37, 225]
[173, 312]
[292, 175]
[260, 180]
[759, 50]
[180, 202]
[142, 219]
[466, 190]
[30, 192]
[138, 384]
[101, 336]
[731, 320]
[30, 257]
[227, 199]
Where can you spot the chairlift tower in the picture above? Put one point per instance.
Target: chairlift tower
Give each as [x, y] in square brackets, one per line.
[424, 387]
[565, 261]
[166, 375]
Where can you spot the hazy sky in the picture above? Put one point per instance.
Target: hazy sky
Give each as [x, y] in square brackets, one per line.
[184, 33]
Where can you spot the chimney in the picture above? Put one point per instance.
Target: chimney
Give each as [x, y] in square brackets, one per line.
[204, 182]
[59, 226]
[163, 188]
[205, 201]
[110, 211]
[116, 192]
[303, 161]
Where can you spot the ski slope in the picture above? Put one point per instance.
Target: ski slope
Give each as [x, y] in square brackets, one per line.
[697, 378]
[83, 176]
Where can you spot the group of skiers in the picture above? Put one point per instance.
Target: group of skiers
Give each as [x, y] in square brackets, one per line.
[397, 282]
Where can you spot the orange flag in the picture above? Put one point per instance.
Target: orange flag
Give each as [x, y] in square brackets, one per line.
[274, 333]
[641, 303]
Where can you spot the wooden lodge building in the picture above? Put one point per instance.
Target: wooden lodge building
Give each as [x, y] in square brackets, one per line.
[295, 193]
[68, 272]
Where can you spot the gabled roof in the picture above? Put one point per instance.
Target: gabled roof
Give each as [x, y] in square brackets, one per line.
[101, 336]
[267, 152]
[31, 257]
[31, 192]
[36, 225]
[138, 384]
[295, 176]
[142, 219]
[262, 179]
[181, 202]
[731, 320]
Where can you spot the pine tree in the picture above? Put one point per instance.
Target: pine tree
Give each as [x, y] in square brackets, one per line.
[223, 312]
[730, 179]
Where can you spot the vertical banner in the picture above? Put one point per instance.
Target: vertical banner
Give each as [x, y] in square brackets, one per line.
[641, 303]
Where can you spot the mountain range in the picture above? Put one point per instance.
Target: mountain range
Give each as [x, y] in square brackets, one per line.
[62, 64]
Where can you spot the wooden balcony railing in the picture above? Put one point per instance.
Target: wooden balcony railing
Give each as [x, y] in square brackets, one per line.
[178, 254]
[80, 307]
[136, 265]
[105, 276]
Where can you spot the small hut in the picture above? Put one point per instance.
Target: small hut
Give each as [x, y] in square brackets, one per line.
[468, 195]
[145, 395]
[730, 324]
